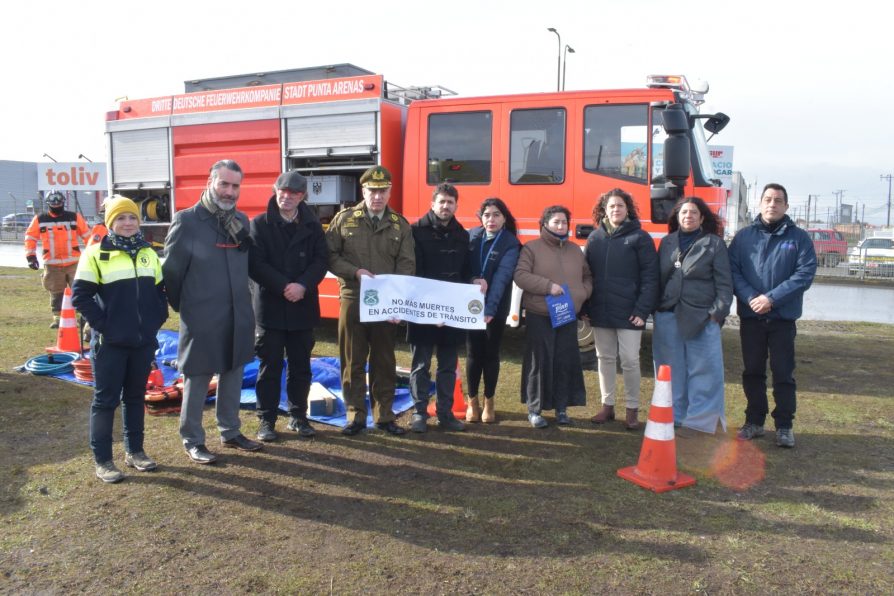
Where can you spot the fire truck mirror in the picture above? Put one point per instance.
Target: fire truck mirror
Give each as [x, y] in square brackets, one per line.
[663, 199]
[675, 120]
[716, 122]
[677, 161]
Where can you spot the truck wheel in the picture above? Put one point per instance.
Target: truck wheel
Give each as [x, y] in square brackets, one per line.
[832, 259]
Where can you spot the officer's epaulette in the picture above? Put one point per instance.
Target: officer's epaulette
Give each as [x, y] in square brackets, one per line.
[397, 217]
[350, 211]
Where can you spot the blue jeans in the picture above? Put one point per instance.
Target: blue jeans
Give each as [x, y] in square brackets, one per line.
[696, 372]
[120, 376]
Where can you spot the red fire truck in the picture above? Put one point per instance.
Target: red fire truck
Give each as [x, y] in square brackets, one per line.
[332, 123]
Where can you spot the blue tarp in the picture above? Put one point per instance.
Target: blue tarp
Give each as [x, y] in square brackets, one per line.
[325, 371]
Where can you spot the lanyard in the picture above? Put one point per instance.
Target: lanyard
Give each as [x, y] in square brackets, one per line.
[484, 257]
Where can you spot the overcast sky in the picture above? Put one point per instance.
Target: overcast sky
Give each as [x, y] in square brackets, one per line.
[806, 86]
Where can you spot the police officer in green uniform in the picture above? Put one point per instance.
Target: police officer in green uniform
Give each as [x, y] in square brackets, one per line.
[368, 239]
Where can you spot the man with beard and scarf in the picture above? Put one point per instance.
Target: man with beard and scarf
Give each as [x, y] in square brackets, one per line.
[287, 261]
[442, 248]
[63, 234]
[206, 274]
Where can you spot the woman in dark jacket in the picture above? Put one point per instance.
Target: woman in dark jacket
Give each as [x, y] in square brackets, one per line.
[493, 254]
[118, 288]
[696, 294]
[625, 288]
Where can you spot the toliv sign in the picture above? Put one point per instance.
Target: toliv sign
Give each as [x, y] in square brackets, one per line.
[71, 176]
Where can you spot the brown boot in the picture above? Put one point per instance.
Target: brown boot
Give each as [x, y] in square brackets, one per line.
[607, 413]
[473, 410]
[489, 414]
[632, 422]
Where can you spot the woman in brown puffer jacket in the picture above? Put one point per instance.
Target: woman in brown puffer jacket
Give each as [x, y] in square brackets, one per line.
[552, 376]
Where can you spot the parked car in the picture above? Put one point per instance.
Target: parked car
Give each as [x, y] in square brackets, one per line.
[875, 256]
[17, 221]
[830, 247]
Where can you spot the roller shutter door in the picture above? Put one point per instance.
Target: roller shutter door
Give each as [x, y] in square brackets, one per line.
[140, 156]
[336, 134]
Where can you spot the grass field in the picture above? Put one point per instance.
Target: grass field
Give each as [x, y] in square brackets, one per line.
[499, 509]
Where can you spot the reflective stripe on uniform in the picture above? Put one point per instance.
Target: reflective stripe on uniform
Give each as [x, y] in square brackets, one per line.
[117, 267]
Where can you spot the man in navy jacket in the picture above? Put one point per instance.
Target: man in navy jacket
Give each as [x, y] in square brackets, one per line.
[773, 263]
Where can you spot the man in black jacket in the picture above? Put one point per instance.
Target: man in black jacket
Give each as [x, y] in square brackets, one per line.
[287, 261]
[442, 248]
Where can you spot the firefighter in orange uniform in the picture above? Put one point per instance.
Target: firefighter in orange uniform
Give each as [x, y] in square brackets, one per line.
[100, 231]
[63, 234]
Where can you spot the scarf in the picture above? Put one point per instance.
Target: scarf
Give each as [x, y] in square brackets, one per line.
[609, 227]
[559, 237]
[686, 240]
[129, 244]
[228, 221]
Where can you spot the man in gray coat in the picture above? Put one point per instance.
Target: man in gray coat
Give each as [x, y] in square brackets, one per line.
[206, 274]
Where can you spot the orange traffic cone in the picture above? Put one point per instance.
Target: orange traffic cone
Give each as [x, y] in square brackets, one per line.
[68, 339]
[657, 467]
[459, 402]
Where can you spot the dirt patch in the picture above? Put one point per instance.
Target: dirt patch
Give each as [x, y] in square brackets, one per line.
[498, 509]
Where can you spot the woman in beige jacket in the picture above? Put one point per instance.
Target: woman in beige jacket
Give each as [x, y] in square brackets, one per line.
[552, 376]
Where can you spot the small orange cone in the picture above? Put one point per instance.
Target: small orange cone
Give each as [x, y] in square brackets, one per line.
[657, 467]
[68, 339]
[459, 402]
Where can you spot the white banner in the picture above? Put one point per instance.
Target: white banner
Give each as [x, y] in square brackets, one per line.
[421, 300]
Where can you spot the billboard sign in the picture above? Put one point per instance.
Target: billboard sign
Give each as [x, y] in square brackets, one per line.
[722, 160]
[71, 176]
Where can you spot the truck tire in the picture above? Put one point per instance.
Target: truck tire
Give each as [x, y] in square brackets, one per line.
[832, 259]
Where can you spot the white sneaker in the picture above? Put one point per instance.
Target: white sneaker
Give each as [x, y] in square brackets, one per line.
[140, 461]
[537, 421]
[785, 437]
[108, 473]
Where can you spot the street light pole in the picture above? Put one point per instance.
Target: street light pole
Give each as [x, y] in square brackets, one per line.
[82, 156]
[559, 63]
[568, 50]
[888, 177]
[50, 157]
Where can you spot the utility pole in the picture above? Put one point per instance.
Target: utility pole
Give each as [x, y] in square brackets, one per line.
[757, 201]
[808, 209]
[888, 177]
[863, 222]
